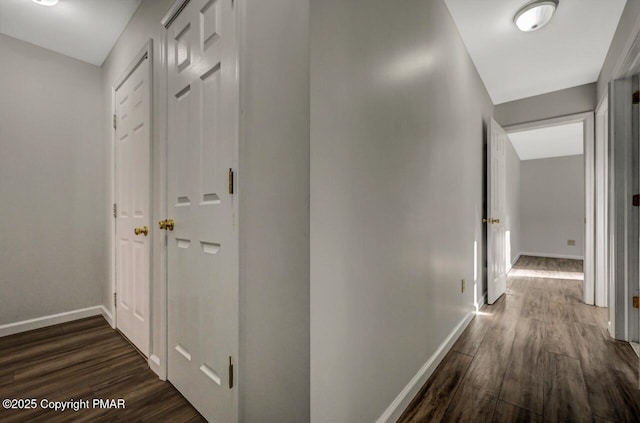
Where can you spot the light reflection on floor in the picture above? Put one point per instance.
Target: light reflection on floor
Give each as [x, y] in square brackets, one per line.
[547, 274]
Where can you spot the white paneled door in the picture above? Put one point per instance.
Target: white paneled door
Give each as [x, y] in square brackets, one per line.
[496, 192]
[132, 191]
[202, 247]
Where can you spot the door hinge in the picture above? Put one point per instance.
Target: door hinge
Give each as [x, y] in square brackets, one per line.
[115, 119]
[115, 210]
[636, 302]
[230, 181]
[230, 373]
[115, 299]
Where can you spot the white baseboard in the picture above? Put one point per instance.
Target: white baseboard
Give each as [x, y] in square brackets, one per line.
[108, 316]
[483, 301]
[154, 364]
[513, 262]
[397, 407]
[562, 256]
[54, 319]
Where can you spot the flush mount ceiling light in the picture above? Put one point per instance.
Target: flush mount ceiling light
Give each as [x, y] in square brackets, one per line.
[534, 15]
[46, 2]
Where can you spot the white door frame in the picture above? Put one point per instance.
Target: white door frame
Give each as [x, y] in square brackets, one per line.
[601, 219]
[620, 311]
[147, 50]
[588, 121]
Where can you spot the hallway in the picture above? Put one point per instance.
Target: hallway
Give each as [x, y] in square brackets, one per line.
[537, 354]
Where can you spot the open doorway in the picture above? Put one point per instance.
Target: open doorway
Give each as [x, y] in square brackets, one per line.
[549, 216]
[545, 192]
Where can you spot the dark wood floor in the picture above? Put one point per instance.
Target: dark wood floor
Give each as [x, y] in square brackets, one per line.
[538, 354]
[85, 359]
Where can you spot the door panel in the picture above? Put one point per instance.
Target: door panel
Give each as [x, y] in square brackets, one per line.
[496, 191]
[203, 246]
[133, 161]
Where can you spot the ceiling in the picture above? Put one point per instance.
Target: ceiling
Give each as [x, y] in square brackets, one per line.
[82, 29]
[554, 141]
[569, 51]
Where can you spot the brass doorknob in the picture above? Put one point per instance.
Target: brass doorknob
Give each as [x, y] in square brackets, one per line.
[144, 230]
[495, 220]
[486, 220]
[166, 224]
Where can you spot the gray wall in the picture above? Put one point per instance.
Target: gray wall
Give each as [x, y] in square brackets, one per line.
[552, 205]
[624, 34]
[512, 217]
[51, 183]
[274, 212]
[545, 106]
[398, 113]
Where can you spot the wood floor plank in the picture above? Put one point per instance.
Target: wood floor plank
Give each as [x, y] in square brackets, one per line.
[476, 398]
[557, 310]
[509, 413]
[471, 404]
[601, 317]
[586, 376]
[523, 383]
[472, 337]
[597, 419]
[611, 396]
[535, 305]
[517, 286]
[24, 338]
[565, 395]
[490, 363]
[65, 342]
[59, 361]
[431, 402]
[507, 311]
[624, 359]
[6, 378]
[561, 338]
[85, 359]
[584, 314]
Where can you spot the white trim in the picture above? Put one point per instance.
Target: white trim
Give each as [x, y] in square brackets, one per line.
[620, 191]
[401, 402]
[108, 316]
[588, 121]
[154, 364]
[545, 123]
[560, 256]
[628, 62]
[515, 260]
[160, 280]
[601, 274]
[173, 12]
[53, 319]
[482, 303]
